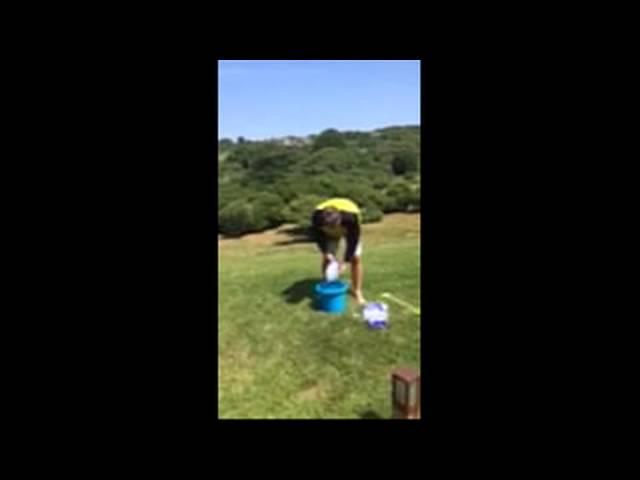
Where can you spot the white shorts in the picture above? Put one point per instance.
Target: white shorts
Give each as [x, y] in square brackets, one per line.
[333, 244]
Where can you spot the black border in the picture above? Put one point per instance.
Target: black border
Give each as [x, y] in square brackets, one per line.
[150, 330]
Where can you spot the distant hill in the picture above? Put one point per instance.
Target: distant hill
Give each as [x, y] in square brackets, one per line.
[263, 184]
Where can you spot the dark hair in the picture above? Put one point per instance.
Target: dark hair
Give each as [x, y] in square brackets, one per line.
[331, 217]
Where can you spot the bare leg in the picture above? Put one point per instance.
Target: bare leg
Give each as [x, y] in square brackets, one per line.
[356, 279]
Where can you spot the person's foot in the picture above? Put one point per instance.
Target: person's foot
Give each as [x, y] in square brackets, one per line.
[358, 296]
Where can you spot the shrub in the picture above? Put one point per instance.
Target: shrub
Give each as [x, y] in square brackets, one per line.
[300, 209]
[404, 162]
[399, 197]
[270, 207]
[371, 214]
[240, 217]
[329, 138]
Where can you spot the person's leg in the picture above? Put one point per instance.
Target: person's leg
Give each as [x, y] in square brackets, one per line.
[356, 279]
[356, 275]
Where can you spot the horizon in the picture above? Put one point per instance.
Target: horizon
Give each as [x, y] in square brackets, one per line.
[263, 100]
[349, 130]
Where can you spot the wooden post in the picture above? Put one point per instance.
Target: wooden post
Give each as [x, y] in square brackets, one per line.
[405, 393]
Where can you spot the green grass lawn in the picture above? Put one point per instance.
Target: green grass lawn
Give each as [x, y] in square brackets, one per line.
[278, 358]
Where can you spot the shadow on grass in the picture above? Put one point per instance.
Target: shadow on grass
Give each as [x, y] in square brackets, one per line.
[295, 231]
[300, 290]
[293, 241]
[231, 236]
[296, 234]
[370, 415]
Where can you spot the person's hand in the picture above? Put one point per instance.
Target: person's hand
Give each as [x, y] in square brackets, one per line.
[343, 267]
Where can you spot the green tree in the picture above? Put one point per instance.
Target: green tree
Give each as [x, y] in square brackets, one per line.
[331, 160]
[300, 209]
[271, 167]
[240, 217]
[329, 138]
[404, 162]
[378, 170]
[270, 207]
[414, 205]
[399, 197]
[380, 182]
[287, 189]
[371, 214]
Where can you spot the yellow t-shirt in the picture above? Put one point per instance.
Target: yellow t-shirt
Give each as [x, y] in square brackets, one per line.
[340, 204]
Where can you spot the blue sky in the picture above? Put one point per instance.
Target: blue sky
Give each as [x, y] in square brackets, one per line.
[259, 99]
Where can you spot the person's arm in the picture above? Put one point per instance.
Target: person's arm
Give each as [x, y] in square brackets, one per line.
[352, 234]
[317, 234]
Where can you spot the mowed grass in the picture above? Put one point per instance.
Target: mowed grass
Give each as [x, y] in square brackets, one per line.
[278, 358]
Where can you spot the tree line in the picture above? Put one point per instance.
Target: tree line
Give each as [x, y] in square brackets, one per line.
[265, 184]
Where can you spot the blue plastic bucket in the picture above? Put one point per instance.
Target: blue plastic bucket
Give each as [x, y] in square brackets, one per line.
[331, 297]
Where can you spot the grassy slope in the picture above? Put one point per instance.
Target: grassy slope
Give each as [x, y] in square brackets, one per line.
[280, 359]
